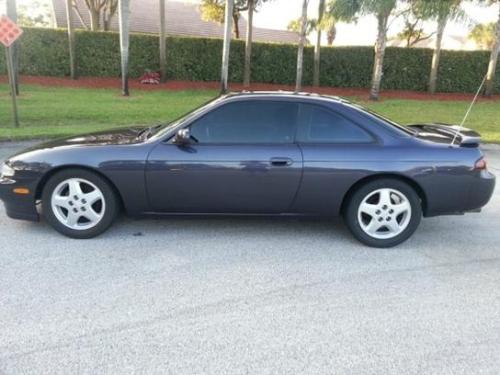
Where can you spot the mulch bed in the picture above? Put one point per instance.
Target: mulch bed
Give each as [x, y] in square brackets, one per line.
[102, 82]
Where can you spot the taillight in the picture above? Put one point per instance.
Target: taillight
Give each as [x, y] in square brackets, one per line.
[481, 165]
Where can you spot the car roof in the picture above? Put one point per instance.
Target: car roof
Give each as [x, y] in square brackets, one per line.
[285, 94]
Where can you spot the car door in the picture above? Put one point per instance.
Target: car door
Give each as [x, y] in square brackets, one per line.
[337, 152]
[242, 159]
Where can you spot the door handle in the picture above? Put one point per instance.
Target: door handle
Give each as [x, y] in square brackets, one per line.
[281, 162]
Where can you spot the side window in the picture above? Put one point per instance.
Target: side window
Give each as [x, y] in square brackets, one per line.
[320, 125]
[252, 121]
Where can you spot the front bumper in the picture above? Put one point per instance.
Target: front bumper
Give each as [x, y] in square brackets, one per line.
[18, 206]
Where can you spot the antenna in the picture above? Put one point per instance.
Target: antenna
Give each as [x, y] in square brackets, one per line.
[461, 126]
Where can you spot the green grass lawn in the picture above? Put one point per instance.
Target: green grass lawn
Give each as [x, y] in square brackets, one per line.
[47, 112]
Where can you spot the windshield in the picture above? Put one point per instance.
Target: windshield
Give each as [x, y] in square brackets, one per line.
[400, 127]
[185, 117]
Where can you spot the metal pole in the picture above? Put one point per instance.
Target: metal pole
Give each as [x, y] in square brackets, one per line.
[12, 81]
[11, 8]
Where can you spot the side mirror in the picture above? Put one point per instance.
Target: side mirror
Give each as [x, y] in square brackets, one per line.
[182, 137]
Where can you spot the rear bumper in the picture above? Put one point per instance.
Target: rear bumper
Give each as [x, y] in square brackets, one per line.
[17, 206]
[481, 191]
[456, 196]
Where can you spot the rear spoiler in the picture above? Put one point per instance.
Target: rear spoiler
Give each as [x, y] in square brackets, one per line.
[466, 137]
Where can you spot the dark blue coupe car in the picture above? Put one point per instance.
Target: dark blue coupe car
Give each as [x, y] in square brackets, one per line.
[257, 154]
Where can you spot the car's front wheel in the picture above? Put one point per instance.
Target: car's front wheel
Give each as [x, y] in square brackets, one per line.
[383, 213]
[79, 203]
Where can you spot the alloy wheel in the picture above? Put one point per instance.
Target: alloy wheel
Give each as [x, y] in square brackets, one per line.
[78, 204]
[384, 213]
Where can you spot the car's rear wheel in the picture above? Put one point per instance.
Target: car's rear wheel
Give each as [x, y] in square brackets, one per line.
[383, 212]
[79, 203]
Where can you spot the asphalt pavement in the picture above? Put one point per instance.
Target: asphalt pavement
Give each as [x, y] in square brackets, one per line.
[251, 296]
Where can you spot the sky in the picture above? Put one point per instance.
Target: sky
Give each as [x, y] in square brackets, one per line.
[276, 14]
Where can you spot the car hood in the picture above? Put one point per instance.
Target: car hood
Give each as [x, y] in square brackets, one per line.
[123, 136]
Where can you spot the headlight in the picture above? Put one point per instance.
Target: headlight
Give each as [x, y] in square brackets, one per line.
[7, 171]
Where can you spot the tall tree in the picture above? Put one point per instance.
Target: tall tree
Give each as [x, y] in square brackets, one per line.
[124, 13]
[214, 10]
[347, 10]
[227, 45]
[101, 12]
[79, 14]
[251, 6]
[441, 11]
[248, 43]
[36, 14]
[95, 7]
[483, 35]
[11, 6]
[328, 25]
[317, 47]
[302, 42]
[109, 11]
[413, 31]
[163, 43]
[71, 38]
[492, 66]
[295, 25]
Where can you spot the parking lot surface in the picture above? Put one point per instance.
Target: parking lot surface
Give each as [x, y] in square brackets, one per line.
[251, 296]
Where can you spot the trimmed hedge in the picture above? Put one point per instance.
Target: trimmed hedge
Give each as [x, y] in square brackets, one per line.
[45, 52]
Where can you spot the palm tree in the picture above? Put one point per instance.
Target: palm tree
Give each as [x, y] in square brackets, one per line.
[317, 47]
[124, 13]
[329, 26]
[442, 11]
[214, 10]
[483, 34]
[248, 44]
[347, 10]
[227, 44]
[71, 38]
[492, 66]
[162, 42]
[302, 42]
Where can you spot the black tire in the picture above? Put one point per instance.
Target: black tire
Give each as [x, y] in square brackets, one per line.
[108, 216]
[356, 199]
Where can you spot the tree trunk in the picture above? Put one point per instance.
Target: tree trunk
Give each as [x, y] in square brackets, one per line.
[248, 45]
[11, 12]
[492, 66]
[227, 44]
[71, 39]
[437, 54]
[379, 56]
[95, 19]
[106, 22]
[330, 37]
[236, 26]
[124, 13]
[163, 45]
[302, 42]
[317, 47]
[79, 14]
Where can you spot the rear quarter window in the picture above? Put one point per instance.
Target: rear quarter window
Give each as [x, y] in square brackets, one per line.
[321, 125]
